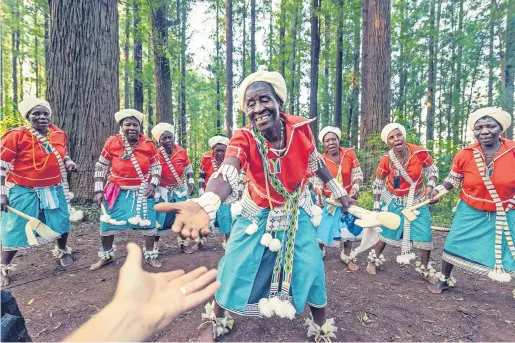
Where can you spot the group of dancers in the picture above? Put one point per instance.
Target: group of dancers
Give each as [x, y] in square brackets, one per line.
[276, 199]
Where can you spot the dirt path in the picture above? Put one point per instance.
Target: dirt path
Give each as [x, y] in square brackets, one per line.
[55, 302]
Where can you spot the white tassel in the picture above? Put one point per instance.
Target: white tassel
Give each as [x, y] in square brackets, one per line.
[316, 215]
[71, 195]
[499, 277]
[145, 222]
[236, 209]
[281, 310]
[266, 239]
[290, 311]
[76, 215]
[405, 258]
[105, 218]
[275, 245]
[251, 229]
[265, 308]
[135, 220]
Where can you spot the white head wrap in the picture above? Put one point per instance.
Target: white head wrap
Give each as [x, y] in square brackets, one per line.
[389, 128]
[218, 140]
[275, 79]
[329, 129]
[27, 104]
[161, 128]
[498, 114]
[128, 112]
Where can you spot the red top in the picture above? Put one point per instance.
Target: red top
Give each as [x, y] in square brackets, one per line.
[208, 165]
[419, 158]
[291, 169]
[348, 161]
[179, 159]
[123, 172]
[20, 149]
[473, 190]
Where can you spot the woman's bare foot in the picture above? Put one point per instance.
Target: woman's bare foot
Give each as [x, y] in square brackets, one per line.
[371, 268]
[206, 335]
[353, 266]
[101, 263]
[4, 280]
[66, 260]
[438, 287]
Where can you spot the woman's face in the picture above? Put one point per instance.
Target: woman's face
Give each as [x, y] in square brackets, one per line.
[487, 131]
[261, 107]
[396, 140]
[131, 128]
[331, 142]
[166, 140]
[219, 151]
[39, 118]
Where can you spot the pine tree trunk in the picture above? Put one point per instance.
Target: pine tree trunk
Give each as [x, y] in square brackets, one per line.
[491, 62]
[327, 46]
[184, 18]
[315, 61]
[252, 38]
[456, 103]
[244, 51]
[431, 79]
[14, 53]
[270, 35]
[509, 71]
[376, 71]
[228, 67]
[36, 52]
[339, 69]
[163, 79]
[354, 101]
[47, 39]
[150, 111]
[217, 72]
[126, 92]
[293, 61]
[82, 80]
[138, 60]
[282, 33]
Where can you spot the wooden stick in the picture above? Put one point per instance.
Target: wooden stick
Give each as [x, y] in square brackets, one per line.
[21, 214]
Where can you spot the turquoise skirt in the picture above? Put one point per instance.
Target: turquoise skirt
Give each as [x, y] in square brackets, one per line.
[25, 199]
[471, 242]
[420, 234]
[165, 219]
[246, 269]
[337, 227]
[125, 208]
[223, 219]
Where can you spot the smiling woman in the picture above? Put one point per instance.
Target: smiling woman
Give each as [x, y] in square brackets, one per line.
[33, 174]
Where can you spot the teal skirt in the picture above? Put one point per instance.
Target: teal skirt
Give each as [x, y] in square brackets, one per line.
[420, 234]
[223, 219]
[337, 227]
[246, 269]
[25, 199]
[471, 242]
[165, 219]
[125, 208]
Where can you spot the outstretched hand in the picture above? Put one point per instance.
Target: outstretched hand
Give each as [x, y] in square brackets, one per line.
[162, 297]
[191, 220]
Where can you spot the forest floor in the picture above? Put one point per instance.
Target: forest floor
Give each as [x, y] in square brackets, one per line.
[391, 306]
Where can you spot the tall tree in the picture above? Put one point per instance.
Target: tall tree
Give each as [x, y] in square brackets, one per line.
[491, 63]
[36, 50]
[82, 80]
[353, 128]
[15, 49]
[294, 60]
[431, 77]
[339, 69]
[163, 79]
[509, 71]
[252, 37]
[138, 59]
[184, 18]
[218, 70]
[315, 61]
[126, 91]
[456, 99]
[244, 50]
[327, 46]
[375, 66]
[228, 67]
[282, 43]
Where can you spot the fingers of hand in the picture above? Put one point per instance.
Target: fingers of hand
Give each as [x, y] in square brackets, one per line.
[169, 207]
[178, 224]
[195, 299]
[134, 257]
[184, 279]
[205, 232]
[199, 282]
[174, 274]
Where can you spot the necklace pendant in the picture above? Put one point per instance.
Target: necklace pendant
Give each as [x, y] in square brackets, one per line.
[126, 156]
[490, 171]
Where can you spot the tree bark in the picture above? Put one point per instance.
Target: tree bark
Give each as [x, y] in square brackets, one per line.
[82, 80]
[376, 71]
[184, 18]
[491, 52]
[338, 93]
[354, 101]
[138, 60]
[150, 111]
[270, 34]
[456, 100]
[228, 67]
[36, 52]
[282, 33]
[126, 91]
[293, 60]
[46, 27]
[252, 36]
[327, 78]
[217, 71]
[431, 79]
[163, 79]
[15, 46]
[244, 51]
[315, 61]
[509, 71]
